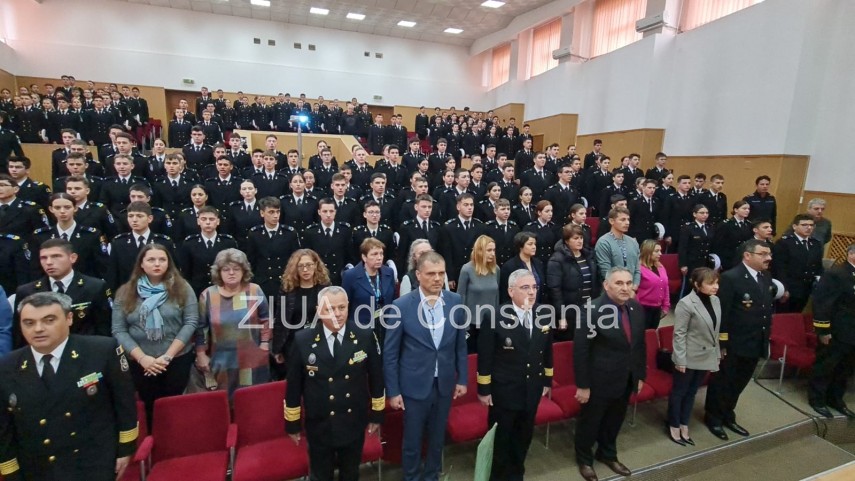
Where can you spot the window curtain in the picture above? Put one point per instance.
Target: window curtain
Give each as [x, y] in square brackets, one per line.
[614, 24]
[501, 70]
[699, 12]
[545, 39]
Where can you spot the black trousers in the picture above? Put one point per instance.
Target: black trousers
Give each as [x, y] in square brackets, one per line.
[682, 397]
[173, 382]
[323, 460]
[835, 364]
[794, 304]
[725, 387]
[652, 316]
[600, 422]
[513, 438]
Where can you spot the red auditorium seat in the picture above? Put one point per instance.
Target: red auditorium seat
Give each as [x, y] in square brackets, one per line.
[810, 333]
[594, 224]
[659, 380]
[392, 434]
[672, 267]
[564, 380]
[261, 431]
[666, 338]
[191, 438]
[788, 343]
[138, 465]
[467, 419]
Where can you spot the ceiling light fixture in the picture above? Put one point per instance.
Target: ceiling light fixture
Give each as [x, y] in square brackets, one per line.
[319, 11]
[260, 3]
[492, 4]
[356, 16]
[406, 23]
[453, 30]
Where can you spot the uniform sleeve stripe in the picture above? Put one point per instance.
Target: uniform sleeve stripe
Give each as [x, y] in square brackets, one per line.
[822, 324]
[292, 414]
[9, 467]
[378, 403]
[547, 371]
[130, 435]
[723, 336]
[485, 379]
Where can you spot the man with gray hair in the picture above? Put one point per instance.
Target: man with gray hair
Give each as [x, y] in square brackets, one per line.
[514, 372]
[70, 411]
[610, 362]
[821, 224]
[336, 371]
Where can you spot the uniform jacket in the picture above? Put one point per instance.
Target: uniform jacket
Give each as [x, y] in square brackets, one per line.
[746, 312]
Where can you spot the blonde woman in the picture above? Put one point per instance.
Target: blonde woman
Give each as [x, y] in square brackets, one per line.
[478, 284]
[653, 292]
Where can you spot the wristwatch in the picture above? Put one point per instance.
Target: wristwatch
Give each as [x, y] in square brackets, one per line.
[167, 358]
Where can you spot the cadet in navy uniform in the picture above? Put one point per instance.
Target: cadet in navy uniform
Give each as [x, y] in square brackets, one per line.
[225, 187]
[834, 321]
[242, 215]
[374, 228]
[172, 191]
[747, 301]
[514, 372]
[89, 243]
[715, 200]
[763, 204]
[269, 246]
[330, 239]
[730, 234]
[645, 211]
[90, 296]
[335, 370]
[179, 130]
[376, 134]
[458, 237]
[502, 231]
[798, 263]
[419, 227]
[71, 413]
[695, 243]
[18, 216]
[299, 210]
[90, 214]
[678, 211]
[197, 153]
[28, 189]
[97, 124]
[537, 178]
[124, 248]
[198, 251]
[562, 195]
[9, 141]
[115, 191]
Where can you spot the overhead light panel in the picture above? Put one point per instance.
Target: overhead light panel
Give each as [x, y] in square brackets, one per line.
[406, 23]
[492, 4]
[260, 3]
[319, 11]
[356, 16]
[453, 30]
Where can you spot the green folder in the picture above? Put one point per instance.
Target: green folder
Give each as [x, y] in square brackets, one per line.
[484, 458]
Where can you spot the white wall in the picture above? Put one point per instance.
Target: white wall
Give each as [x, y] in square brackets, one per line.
[130, 43]
[773, 78]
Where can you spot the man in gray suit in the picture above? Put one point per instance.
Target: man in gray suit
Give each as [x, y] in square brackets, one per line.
[425, 365]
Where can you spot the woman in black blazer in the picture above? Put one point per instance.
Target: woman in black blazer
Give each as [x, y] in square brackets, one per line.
[526, 246]
[523, 211]
[571, 279]
[546, 231]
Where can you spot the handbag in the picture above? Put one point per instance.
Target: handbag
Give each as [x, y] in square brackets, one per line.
[664, 361]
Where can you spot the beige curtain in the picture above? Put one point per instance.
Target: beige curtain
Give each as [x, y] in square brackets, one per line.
[699, 12]
[545, 39]
[501, 70]
[614, 24]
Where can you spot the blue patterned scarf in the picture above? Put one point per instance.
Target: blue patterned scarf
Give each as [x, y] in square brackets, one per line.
[153, 297]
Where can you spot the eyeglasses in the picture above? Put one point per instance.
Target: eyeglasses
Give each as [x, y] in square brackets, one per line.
[306, 266]
[761, 254]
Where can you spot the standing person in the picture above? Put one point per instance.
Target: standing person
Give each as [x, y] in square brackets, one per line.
[616, 249]
[654, 293]
[747, 300]
[370, 286]
[763, 204]
[697, 319]
[410, 282]
[604, 393]
[425, 366]
[798, 263]
[98, 409]
[304, 277]
[571, 277]
[335, 370]
[479, 284]
[730, 234]
[525, 244]
[834, 321]
[514, 372]
[548, 233]
[155, 315]
[233, 337]
[693, 250]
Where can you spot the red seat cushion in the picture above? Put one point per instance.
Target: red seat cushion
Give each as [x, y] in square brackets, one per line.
[255, 462]
[801, 357]
[372, 448]
[467, 422]
[200, 467]
[660, 381]
[393, 435]
[565, 398]
[131, 474]
[548, 412]
[647, 393]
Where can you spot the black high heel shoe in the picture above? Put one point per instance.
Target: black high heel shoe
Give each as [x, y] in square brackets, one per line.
[687, 440]
[679, 441]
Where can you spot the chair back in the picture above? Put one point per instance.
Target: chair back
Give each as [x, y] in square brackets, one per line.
[258, 413]
[788, 329]
[190, 424]
[666, 338]
[471, 383]
[562, 359]
[652, 346]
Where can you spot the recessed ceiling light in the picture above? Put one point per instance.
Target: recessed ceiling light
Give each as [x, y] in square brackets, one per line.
[356, 16]
[319, 11]
[453, 30]
[406, 23]
[260, 3]
[492, 4]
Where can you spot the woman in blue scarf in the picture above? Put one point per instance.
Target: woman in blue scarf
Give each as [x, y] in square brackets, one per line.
[154, 317]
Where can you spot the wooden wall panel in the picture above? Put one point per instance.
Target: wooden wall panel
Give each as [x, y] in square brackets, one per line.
[507, 111]
[838, 208]
[646, 142]
[40, 155]
[7, 81]
[556, 128]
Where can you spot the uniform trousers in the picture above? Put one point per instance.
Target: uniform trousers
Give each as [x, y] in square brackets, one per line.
[513, 438]
[600, 422]
[324, 459]
[725, 387]
[835, 364]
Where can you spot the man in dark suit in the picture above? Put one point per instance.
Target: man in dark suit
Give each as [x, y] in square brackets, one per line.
[124, 248]
[592, 158]
[798, 263]
[332, 240]
[425, 365]
[610, 364]
[376, 135]
[459, 235]
[747, 301]
[71, 413]
[90, 296]
[269, 246]
[514, 372]
[335, 370]
[645, 212]
[198, 251]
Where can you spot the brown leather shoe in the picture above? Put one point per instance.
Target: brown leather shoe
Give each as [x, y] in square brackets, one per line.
[587, 472]
[617, 467]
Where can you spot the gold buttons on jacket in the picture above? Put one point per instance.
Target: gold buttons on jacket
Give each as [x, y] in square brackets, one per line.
[52, 458]
[42, 422]
[347, 376]
[332, 397]
[332, 413]
[46, 442]
[68, 415]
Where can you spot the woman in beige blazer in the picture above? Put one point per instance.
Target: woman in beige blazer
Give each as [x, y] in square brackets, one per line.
[697, 319]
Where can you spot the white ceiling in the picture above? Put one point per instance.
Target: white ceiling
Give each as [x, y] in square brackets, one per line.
[381, 16]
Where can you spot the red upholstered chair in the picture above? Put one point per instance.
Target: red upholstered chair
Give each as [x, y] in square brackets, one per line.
[789, 344]
[660, 381]
[666, 338]
[372, 451]
[139, 465]
[192, 438]
[810, 333]
[671, 263]
[594, 224]
[467, 420]
[564, 380]
[392, 434]
[261, 431]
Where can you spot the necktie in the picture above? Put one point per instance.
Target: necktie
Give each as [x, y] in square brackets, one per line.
[124, 181]
[141, 242]
[372, 233]
[807, 245]
[271, 233]
[64, 236]
[299, 202]
[527, 323]
[336, 345]
[48, 374]
[624, 322]
[59, 288]
[704, 229]
[425, 226]
[328, 232]
[210, 244]
[174, 183]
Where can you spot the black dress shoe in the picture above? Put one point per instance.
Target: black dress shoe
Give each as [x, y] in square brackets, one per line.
[616, 466]
[587, 472]
[687, 440]
[822, 410]
[718, 432]
[842, 409]
[736, 428]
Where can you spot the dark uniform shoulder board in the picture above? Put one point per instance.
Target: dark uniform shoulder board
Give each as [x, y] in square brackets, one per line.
[41, 230]
[90, 229]
[510, 222]
[383, 226]
[162, 236]
[407, 222]
[187, 209]
[286, 227]
[235, 202]
[256, 228]
[225, 236]
[190, 237]
[450, 221]
[344, 224]
[477, 221]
